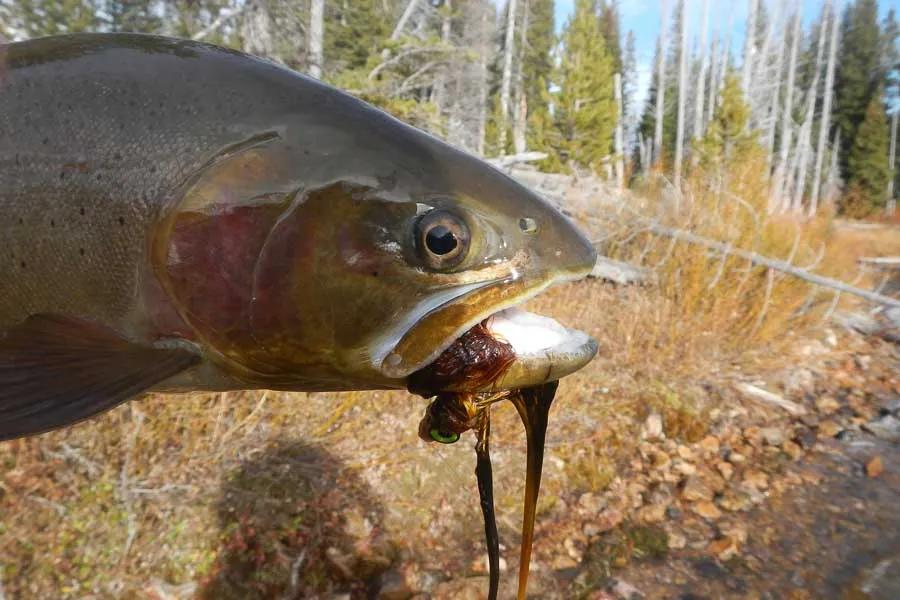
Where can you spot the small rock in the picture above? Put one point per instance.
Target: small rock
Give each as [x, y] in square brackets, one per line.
[609, 519]
[862, 361]
[723, 549]
[659, 460]
[773, 436]
[624, 590]
[756, 479]
[827, 405]
[709, 444]
[753, 435]
[734, 501]
[653, 427]
[736, 458]
[725, 469]
[829, 429]
[395, 586]
[685, 452]
[677, 541]
[653, 513]
[736, 531]
[470, 588]
[885, 428]
[684, 468]
[575, 548]
[561, 562]
[793, 450]
[591, 529]
[707, 510]
[591, 502]
[696, 489]
[874, 467]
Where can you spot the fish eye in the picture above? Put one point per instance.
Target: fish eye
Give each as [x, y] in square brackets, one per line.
[442, 239]
[444, 437]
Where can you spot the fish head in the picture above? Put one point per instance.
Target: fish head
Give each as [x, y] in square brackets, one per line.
[348, 250]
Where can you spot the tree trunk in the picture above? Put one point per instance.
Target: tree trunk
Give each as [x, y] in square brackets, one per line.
[713, 78]
[811, 93]
[891, 205]
[826, 115]
[316, 27]
[660, 86]
[776, 197]
[682, 96]
[701, 78]
[619, 141]
[772, 123]
[506, 80]
[749, 47]
[520, 119]
[484, 25]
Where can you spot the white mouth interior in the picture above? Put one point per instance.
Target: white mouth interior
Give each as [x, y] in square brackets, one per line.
[531, 334]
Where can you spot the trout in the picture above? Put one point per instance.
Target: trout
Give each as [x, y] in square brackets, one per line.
[175, 216]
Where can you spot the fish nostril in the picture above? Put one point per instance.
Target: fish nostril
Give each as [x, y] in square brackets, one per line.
[528, 225]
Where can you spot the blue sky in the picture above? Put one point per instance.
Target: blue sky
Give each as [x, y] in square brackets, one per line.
[643, 17]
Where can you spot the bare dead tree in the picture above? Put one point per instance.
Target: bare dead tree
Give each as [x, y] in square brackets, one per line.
[701, 79]
[660, 85]
[831, 183]
[826, 114]
[806, 129]
[506, 76]
[316, 29]
[776, 202]
[682, 95]
[713, 78]
[749, 48]
[520, 109]
[891, 204]
[772, 122]
[620, 135]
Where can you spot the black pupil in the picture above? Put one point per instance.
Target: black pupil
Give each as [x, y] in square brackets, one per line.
[440, 240]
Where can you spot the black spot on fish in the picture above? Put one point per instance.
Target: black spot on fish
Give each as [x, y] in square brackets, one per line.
[22, 264]
[62, 175]
[81, 211]
[117, 156]
[46, 141]
[81, 251]
[52, 223]
[99, 176]
[21, 221]
[374, 273]
[153, 168]
[122, 221]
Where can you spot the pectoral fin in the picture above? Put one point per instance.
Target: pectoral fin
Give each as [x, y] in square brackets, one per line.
[57, 370]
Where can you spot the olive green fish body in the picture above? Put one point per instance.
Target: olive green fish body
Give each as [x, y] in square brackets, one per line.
[264, 229]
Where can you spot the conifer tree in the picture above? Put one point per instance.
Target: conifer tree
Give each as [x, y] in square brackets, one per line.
[868, 158]
[36, 18]
[538, 60]
[610, 27]
[858, 74]
[132, 15]
[728, 140]
[585, 106]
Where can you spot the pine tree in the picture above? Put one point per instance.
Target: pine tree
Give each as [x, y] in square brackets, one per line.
[647, 123]
[610, 28]
[537, 70]
[132, 15]
[354, 32]
[728, 140]
[670, 115]
[868, 158]
[585, 105]
[859, 73]
[36, 18]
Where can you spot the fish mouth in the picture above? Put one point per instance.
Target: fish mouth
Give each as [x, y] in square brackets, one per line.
[542, 349]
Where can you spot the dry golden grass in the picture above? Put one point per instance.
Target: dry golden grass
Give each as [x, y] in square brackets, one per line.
[235, 491]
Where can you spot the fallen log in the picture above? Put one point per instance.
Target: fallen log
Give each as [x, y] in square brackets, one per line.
[619, 272]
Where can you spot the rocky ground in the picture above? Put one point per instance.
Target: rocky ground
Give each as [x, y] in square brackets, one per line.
[793, 496]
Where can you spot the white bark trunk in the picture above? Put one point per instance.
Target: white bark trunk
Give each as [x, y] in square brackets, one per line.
[891, 205]
[316, 28]
[824, 123]
[806, 132]
[749, 48]
[682, 95]
[506, 79]
[701, 78]
[483, 83]
[776, 202]
[772, 122]
[660, 85]
[520, 121]
[713, 78]
[404, 19]
[831, 185]
[620, 125]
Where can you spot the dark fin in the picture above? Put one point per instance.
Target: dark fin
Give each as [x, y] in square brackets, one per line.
[56, 371]
[533, 405]
[484, 474]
